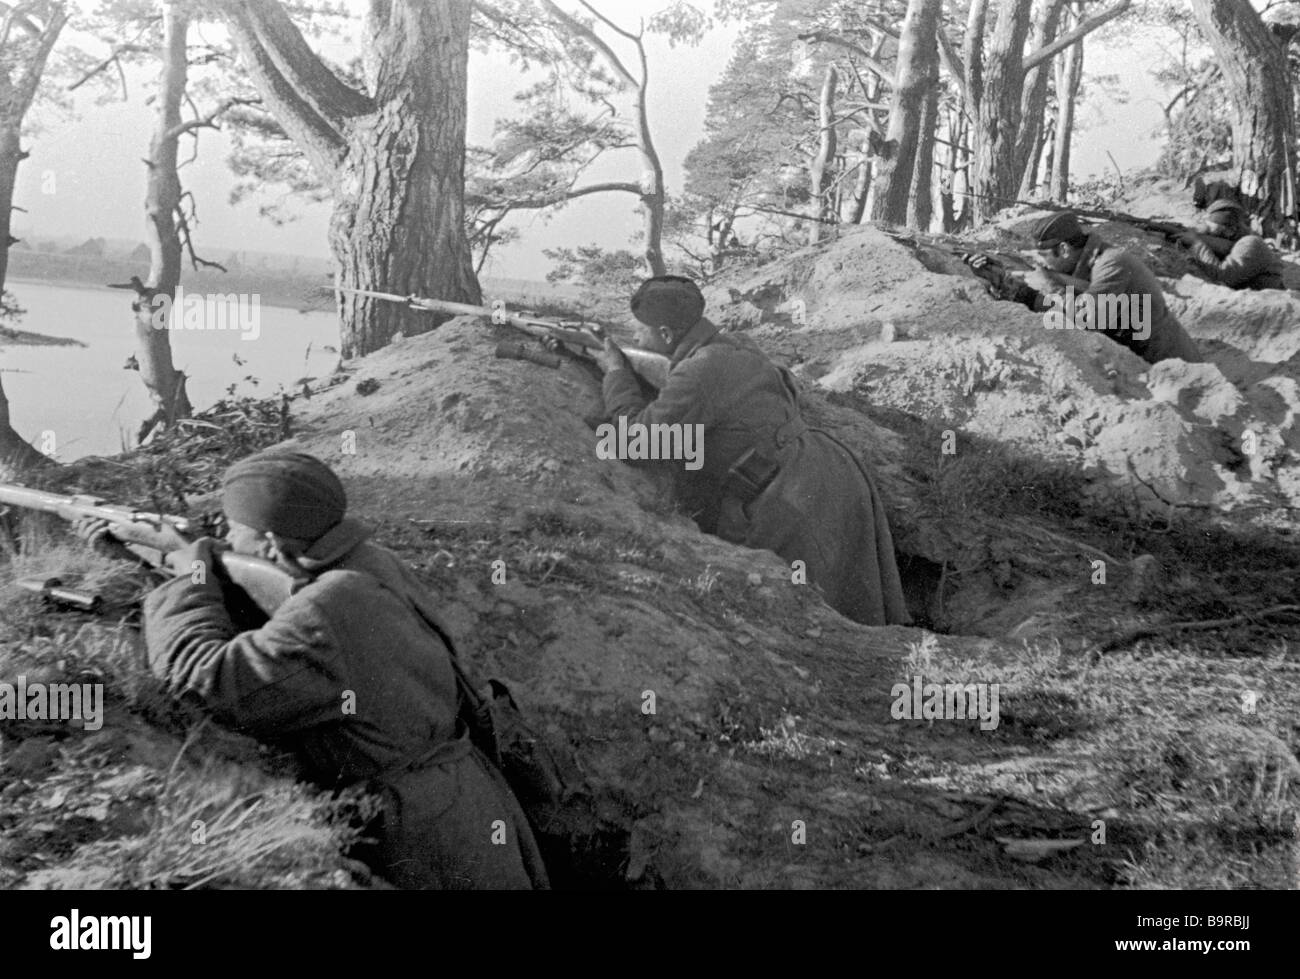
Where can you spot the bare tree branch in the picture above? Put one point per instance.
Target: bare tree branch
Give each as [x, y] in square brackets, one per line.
[114, 56]
[609, 23]
[208, 120]
[183, 225]
[595, 40]
[1086, 26]
[14, 17]
[549, 200]
[870, 63]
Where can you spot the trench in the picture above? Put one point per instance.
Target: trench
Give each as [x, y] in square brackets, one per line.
[923, 585]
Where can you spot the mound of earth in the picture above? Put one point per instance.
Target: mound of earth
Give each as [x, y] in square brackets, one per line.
[725, 727]
[910, 328]
[722, 727]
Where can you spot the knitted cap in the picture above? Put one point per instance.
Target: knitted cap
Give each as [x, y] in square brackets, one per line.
[668, 300]
[1053, 229]
[287, 493]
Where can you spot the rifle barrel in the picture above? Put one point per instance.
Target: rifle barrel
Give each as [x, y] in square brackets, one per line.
[529, 324]
[651, 366]
[268, 585]
[132, 526]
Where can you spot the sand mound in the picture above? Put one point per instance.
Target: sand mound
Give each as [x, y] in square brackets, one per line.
[683, 672]
[723, 726]
[1219, 434]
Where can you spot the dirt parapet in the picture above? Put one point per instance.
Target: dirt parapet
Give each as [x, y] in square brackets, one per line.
[962, 360]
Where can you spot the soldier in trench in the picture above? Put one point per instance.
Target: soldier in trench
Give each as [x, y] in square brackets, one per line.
[358, 628]
[1229, 253]
[1100, 272]
[767, 480]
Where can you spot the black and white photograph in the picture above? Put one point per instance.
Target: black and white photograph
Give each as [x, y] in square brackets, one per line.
[649, 445]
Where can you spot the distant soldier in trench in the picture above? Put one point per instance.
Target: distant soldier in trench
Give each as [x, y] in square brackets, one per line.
[353, 672]
[766, 480]
[1229, 253]
[1204, 194]
[1096, 268]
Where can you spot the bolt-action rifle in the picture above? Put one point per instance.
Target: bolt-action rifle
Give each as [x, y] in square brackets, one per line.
[150, 537]
[914, 239]
[1170, 229]
[652, 367]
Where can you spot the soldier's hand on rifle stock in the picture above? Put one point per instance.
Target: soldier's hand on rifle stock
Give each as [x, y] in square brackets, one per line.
[98, 533]
[991, 271]
[611, 358]
[183, 561]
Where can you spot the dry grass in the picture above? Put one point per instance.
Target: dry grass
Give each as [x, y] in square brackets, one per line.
[1167, 743]
[123, 806]
[215, 826]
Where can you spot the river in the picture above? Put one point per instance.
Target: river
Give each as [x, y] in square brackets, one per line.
[94, 406]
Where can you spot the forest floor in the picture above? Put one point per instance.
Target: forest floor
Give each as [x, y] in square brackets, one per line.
[1103, 545]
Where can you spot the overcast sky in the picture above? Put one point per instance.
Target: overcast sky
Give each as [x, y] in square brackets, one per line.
[92, 162]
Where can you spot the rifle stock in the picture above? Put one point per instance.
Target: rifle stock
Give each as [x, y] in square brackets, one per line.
[649, 365]
[152, 536]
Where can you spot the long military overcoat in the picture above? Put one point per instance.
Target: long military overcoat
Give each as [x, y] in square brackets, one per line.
[348, 675]
[1248, 264]
[1112, 271]
[822, 508]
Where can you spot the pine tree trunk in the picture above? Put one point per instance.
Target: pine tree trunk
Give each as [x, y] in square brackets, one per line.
[862, 185]
[652, 219]
[25, 57]
[1033, 100]
[920, 202]
[17, 455]
[819, 172]
[394, 158]
[962, 183]
[399, 205]
[1067, 88]
[652, 179]
[11, 154]
[973, 98]
[399, 218]
[166, 385]
[866, 169]
[948, 174]
[918, 56]
[1259, 85]
[1049, 146]
[952, 186]
[997, 176]
[1030, 180]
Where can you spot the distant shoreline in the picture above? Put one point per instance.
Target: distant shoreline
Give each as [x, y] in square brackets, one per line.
[277, 299]
[303, 291]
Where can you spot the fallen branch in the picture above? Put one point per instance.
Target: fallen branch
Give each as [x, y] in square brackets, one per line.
[1077, 544]
[1202, 625]
[957, 829]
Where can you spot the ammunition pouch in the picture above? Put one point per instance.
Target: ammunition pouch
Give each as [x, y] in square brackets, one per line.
[749, 476]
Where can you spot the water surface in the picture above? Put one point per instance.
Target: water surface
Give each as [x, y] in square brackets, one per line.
[94, 406]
